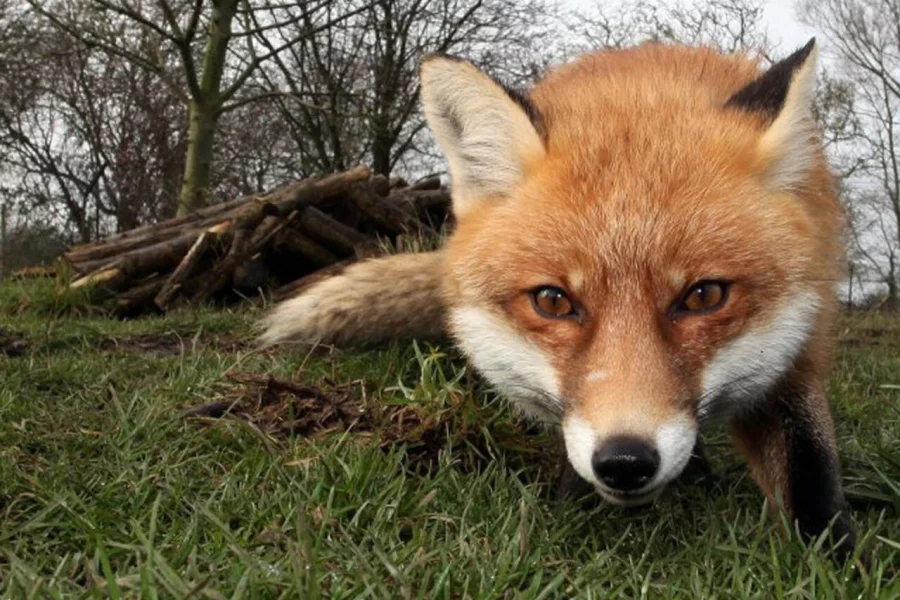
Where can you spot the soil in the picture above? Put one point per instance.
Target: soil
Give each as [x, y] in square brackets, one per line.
[284, 408]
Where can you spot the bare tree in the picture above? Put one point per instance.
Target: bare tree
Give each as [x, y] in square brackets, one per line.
[729, 25]
[211, 77]
[87, 139]
[355, 86]
[864, 36]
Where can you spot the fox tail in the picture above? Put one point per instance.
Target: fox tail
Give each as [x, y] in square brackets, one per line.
[369, 303]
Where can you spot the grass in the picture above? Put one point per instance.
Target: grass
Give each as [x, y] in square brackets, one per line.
[107, 492]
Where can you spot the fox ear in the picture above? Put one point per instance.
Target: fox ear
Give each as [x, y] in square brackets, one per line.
[788, 148]
[488, 132]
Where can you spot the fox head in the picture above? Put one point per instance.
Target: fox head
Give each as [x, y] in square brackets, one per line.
[644, 239]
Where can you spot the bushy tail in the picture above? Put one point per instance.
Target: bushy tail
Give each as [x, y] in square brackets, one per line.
[370, 302]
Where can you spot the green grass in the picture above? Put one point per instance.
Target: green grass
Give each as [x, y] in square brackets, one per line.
[106, 492]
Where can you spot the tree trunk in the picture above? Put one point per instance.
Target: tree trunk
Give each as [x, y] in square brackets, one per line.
[385, 91]
[3, 260]
[892, 302]
[205, 109]
[198, 163]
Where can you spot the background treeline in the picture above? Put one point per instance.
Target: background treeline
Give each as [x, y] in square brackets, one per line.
[118, 113]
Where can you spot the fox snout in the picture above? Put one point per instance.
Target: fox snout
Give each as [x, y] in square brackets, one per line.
[629, 465]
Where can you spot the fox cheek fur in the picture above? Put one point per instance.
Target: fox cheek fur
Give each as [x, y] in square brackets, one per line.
[622, 178]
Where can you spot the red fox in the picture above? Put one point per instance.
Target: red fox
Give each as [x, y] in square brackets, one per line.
[646, 240]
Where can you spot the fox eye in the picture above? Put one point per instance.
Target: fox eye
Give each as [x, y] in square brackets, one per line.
[552, 303]
[703, 297]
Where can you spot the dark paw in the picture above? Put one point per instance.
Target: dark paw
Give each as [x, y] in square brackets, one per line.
[841, 536]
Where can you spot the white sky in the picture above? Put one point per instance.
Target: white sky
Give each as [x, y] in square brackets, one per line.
[780, 18]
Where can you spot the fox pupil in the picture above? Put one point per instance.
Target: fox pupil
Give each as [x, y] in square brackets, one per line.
[552, 302]
[705, 295]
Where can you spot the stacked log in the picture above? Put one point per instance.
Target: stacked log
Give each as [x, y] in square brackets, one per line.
[276, 242]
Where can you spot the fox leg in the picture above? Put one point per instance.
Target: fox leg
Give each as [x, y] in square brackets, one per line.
[790, 446]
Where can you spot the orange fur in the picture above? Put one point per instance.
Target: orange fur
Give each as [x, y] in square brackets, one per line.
[647, 183]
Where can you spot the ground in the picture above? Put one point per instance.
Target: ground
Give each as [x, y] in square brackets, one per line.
[168, 458]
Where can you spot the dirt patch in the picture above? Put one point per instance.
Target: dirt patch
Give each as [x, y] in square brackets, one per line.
[12, 343]
[170, 344]
[871, 336]
[283, 408]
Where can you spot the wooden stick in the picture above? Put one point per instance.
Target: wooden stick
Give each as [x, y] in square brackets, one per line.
[293, 242]
[143, 293]
[332, 232]
[138, 263]
[432, 182]
[186, 267]
[111, 277]
[175, 223]
[244, 245]
[384, 213]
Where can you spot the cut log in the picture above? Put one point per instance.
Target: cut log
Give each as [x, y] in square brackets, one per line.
[111, 277]
[186, 267]
[331, 232]
[379, 184]
[90, 258]
[159, 257]
[82, 251]
[140, 295]
[303, 193]
[244, 245]
[212, 282]
[432, 182]
[421, 203]
[280, 240]
[398, 182]
[299, 246]
[385, 213]
[87, 260]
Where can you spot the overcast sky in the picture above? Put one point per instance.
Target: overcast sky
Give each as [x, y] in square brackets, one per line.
[783, 25]
[780, 18]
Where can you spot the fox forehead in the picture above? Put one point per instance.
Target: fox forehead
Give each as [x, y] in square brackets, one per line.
[645, 89]
[591, 239]
[645, 172]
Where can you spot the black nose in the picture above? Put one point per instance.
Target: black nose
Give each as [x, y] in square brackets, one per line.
[625, 463]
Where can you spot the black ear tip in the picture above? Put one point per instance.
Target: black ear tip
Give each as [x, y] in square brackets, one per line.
[807, 49]
[768, 92]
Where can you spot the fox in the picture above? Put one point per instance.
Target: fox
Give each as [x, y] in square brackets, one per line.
[646, 240]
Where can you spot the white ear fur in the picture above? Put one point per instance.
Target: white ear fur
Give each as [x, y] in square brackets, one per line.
[487, 136]
[788, 149]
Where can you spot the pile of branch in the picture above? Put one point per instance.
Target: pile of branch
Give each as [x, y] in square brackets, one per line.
[278, 241]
